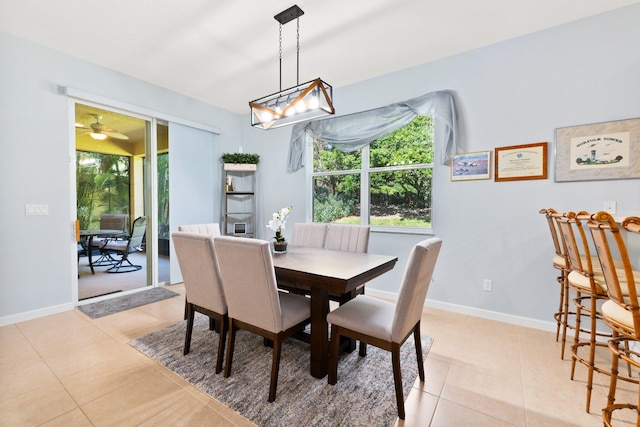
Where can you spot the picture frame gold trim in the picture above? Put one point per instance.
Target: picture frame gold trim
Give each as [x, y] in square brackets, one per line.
[598, 151]
[521, 162]
[470, 166]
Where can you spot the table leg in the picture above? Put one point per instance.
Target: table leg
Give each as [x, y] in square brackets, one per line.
[319, 332]
[90, 253]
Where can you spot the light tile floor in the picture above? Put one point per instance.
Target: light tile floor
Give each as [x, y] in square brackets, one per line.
[69, 370]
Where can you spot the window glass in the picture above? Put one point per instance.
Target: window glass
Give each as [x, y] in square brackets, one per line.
[336, 198]
[401, 198]
[393, 175]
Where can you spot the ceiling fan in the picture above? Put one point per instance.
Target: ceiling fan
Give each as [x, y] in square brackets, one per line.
[99, 131]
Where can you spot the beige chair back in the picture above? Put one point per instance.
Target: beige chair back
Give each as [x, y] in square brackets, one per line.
[351, 238]
[621, 284]
[212, 228]
[249, 281]
[312, 235]
[415, 284]
[200, 272]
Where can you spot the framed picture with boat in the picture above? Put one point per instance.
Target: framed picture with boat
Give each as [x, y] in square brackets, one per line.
[598, 151]
[471, 166]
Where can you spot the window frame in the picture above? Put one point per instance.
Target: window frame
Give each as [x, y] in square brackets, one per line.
[365, 191]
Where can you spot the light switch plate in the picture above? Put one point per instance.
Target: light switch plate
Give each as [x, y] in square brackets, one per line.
[36, 210]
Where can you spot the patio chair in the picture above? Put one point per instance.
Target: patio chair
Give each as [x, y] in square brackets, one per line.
[126, 247]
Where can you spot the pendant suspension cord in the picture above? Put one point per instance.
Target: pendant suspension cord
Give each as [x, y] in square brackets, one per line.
[280, 43]
[298, 52]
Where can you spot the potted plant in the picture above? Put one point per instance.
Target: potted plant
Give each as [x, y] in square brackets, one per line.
[245, 158]
[277, 224]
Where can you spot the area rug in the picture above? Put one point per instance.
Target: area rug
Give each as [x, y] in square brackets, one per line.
[363, 396]
[126, 302]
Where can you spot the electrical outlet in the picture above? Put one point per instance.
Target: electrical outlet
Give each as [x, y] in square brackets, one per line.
[610, 207]
[486, 285]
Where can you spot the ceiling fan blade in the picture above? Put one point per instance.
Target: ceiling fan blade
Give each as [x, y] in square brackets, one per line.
[116, 135]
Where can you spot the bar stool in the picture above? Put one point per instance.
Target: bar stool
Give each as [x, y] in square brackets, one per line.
[622, 311]
[586, 280]
[560, 263]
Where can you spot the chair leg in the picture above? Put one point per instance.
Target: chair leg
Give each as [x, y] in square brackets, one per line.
[230, 346]
[224, 325]
[576, 336]
[275, 368]
[334, 348]
[418, 340]
[611, 398]
[565, 314]
[560, 313]
[592, 352]
[187, 338]
[397, 378]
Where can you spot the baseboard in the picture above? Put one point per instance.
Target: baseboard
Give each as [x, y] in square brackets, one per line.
[34, 314]
[549, 326]
[455, 308]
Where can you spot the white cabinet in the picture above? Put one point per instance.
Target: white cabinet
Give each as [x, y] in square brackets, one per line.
[239, 205]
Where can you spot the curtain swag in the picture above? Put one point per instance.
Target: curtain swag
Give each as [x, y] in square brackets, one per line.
[353, 131]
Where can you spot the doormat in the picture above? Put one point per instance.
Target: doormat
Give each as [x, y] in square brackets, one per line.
[126, 302]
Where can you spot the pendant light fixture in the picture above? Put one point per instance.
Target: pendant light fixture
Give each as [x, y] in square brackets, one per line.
[306, 101]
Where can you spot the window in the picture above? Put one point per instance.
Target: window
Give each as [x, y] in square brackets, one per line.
[386, 184]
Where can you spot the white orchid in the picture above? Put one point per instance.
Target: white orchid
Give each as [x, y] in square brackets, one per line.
[278, 222]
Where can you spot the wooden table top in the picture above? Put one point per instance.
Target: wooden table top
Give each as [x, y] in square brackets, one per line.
[337, 271]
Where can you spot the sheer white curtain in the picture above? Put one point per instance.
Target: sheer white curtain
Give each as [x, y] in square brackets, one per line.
[353, 131]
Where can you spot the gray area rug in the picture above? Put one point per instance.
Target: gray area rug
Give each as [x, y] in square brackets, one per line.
[126, 302]
[363, 396]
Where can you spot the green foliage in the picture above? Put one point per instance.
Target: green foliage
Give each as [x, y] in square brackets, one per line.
[331, 207]
[406, 191]
[244, 158]
[163, 195]
[102, 183]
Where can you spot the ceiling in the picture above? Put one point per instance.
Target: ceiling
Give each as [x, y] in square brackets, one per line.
[225, 53]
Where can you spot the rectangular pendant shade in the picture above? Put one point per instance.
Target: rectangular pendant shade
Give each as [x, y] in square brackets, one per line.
[306, 101]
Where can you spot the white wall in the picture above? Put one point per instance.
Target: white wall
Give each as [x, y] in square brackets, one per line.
[511, 93]
[37, 260]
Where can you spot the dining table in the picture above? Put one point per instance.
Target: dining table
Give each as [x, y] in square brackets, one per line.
[89, 235]
[322, 272]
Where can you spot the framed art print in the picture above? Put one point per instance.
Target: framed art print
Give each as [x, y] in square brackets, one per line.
[599, 151]
[471, 166]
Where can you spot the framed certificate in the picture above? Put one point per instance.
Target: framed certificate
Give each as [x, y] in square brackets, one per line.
[521, 162]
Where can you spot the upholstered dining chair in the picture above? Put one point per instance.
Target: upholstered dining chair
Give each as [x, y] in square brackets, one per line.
[126, 247]
[586, 280]
[561, 263]
[348, 237]
[213, 229]
[253, 300]
[387, 325]
[210, 228]
[201, 275]
[622, 311]
[311, 234]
